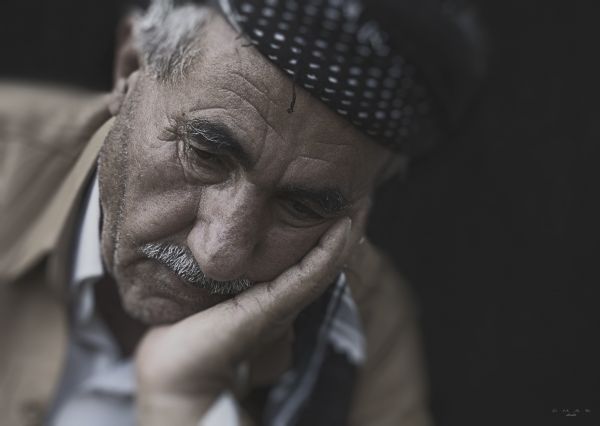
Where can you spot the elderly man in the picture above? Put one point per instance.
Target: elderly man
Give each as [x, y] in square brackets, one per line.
[190, 249]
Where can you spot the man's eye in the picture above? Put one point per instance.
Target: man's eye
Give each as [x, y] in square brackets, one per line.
[202, 156]
[203, 164]
[303, 211]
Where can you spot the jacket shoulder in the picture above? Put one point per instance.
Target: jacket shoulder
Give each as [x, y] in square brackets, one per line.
[42, 132]
[53, 119]
[33, 326]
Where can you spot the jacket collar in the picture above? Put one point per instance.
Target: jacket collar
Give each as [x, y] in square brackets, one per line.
[52, 232]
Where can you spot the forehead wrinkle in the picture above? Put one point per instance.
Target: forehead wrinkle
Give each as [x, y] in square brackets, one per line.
[308, 157]
[338, 143]
[331, 151]
[263, 76]
[199, 108]
[264, 91]
[256, 109]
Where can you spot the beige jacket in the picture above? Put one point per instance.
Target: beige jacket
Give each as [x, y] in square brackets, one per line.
[49, 141]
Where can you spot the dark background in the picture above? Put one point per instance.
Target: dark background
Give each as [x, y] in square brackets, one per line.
[497, 232]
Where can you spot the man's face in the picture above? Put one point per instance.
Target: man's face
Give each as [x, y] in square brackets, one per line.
[213, 172]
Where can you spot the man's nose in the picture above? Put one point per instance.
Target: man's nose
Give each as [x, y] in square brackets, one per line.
[227, 230]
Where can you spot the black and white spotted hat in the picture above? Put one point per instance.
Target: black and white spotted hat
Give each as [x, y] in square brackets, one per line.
[401, 71]
[333, 50]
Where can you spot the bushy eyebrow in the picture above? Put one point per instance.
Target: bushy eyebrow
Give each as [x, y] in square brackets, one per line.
[215, 137]
[330, 200]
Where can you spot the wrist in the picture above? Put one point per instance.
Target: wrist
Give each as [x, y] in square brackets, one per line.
[175, 409]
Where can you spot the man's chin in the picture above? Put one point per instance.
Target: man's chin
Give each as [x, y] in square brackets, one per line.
[157, 310]
[154, 295]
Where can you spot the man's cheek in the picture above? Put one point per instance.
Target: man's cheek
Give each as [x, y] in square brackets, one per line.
[158, 217]
[154, 163]
[159, 206]
[282, 248]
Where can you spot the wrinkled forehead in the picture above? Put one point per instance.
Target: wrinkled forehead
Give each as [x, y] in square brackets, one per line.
[227, 61]
[225, 55]
[232, 83]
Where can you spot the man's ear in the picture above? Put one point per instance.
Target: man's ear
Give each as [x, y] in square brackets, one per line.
[127, 61]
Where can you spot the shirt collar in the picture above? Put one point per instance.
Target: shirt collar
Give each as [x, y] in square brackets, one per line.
[88, 260]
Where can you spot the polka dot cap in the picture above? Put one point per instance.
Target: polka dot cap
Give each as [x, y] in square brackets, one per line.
[331, 49]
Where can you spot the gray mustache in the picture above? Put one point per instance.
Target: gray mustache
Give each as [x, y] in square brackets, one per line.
[180, 260]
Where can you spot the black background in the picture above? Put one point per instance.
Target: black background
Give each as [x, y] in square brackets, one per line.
[497, 232]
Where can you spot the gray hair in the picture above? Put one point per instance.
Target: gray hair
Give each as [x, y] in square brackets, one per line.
[166, 34]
